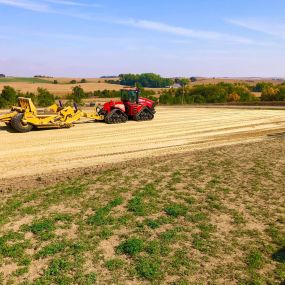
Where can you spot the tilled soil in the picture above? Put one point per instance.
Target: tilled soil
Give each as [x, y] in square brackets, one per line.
[174, 130]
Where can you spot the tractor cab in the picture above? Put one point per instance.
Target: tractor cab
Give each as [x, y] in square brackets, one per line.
[130, 96]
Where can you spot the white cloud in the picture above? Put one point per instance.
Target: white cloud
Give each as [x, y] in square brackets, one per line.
[142, 24]
[184, 32]
[41, 6]
[270, 28]
[72, 3]
[28, 5]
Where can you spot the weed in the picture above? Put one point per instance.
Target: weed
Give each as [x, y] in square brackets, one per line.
[153, 224]
[176, 210]
[88, 279]
[43, 228]
[114, 264]
[238, 218]
[101, 216]
[131, 247]
[149, 268]
[169, 235]
[57, 266]
[198, 217]
[254, 259]
[158, 248]
[276, 235]
[21, 271]
[180, 259]
[105, 233]
[138, 206]
[51, 249]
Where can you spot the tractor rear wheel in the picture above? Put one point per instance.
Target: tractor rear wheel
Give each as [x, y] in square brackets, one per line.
[18, 125]
[116, 116]
[144, 115]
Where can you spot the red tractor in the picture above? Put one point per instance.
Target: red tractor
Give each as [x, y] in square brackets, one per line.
[131, 106]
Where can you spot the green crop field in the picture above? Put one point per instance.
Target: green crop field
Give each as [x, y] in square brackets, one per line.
[24, 80]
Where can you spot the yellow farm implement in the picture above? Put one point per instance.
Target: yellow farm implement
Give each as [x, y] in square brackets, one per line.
[24, 117]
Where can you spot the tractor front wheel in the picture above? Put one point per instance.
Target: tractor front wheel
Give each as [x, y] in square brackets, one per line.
[18, 125]
[116, 116]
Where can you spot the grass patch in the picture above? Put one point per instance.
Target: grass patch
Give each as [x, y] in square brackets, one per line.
[114, 264]
[149, 268]
[184, 219]
[254, 259]
[176, 210]
[132, 246]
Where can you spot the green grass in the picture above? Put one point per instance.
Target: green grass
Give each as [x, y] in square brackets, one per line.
[176, 210]
[254, 259]
[24, 80]
[131, 246]
[149, 268]
[187, 218]
[114, 264]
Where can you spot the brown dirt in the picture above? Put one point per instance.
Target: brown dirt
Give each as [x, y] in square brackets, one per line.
[37, 155]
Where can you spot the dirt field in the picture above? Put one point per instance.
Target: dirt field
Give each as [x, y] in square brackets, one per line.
[250, 81]
[60, 89]
[213, 216]
[174, 130]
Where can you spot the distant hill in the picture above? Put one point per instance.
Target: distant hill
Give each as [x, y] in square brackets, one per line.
[23, 79]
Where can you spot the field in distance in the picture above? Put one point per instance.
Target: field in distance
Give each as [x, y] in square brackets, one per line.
[62, 88]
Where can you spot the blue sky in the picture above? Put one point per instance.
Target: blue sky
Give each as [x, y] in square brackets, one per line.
[173, 38]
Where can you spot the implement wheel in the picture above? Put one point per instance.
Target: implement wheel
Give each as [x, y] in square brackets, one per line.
[17, 124]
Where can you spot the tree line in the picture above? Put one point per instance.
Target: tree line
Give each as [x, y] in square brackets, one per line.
[222, 93]
[78, 94]
[207, 93]
[9, 97]
[44, 98]
[150, 80]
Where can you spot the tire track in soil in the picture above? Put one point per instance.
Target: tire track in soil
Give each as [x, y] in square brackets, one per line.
[174, 130]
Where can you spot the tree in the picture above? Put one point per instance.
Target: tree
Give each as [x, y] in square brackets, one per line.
[77, 95]
[55, 82]
[8, 97]
[73, 81]
[183, 82]
[193, 79]
[269, 94]
[83, 81]
[261, 86]
[45, 98]
[151, 80]
[281, 93]
[233, 97]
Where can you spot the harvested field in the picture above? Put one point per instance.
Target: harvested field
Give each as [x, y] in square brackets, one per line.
[60, 89]
[174, 130]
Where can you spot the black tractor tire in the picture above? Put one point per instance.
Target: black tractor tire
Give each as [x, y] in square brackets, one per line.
[17, 124]
[116, 116]
[144, 115]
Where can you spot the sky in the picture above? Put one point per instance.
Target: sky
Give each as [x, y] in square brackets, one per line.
[213, 38]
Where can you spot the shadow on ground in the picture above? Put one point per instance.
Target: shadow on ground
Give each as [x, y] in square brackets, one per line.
[279, 256]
